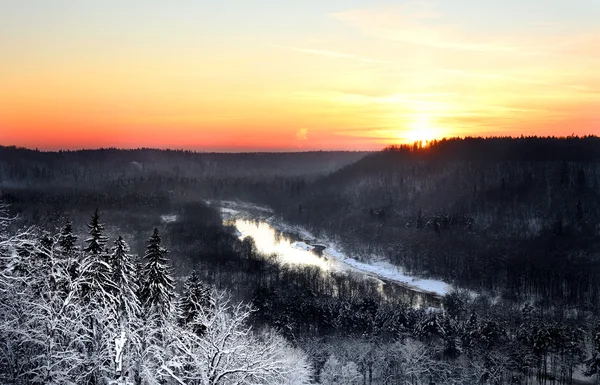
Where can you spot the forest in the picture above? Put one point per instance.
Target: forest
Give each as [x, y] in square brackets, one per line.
[512, 224]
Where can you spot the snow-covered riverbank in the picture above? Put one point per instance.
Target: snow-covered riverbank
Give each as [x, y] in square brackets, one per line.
[269, 237]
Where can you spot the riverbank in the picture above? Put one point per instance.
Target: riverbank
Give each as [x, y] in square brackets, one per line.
[305, 242]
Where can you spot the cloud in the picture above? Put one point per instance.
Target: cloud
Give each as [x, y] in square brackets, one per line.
[402, 23]
[302, 134]
[333, 54]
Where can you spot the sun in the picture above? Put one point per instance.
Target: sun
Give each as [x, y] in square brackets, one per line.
[421, 130]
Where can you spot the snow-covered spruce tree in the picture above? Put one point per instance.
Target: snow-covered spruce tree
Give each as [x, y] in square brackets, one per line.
[127, 308]
[96, 243]
[197, 297]
[69, 250]
[95, 268]
[97, 290]
[158, 285]
[68, 239]
[158, 323]
[124, 277]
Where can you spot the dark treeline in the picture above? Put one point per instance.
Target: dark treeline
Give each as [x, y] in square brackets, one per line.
[519, 217]
[30, 167]
[572, 148]
[186, 175]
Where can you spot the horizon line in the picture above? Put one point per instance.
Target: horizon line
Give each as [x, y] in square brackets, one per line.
[291, 151]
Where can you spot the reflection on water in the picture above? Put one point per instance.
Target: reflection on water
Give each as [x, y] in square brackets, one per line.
[269, 241]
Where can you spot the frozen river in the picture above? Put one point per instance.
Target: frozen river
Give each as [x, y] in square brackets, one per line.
[294, 245]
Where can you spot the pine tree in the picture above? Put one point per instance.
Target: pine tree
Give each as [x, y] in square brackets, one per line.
[67, 239]
[67, 243]
[196, 298]
[97, 241]
[124, 277]
[97, 290]
[157, 291]
[95, 268]
[44, 262]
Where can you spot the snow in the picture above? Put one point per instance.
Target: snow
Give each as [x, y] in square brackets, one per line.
[169, 218]
[235, 205]
[393, 273]
[302, 246]
[284, 227]
[387, 271]
[302, 251]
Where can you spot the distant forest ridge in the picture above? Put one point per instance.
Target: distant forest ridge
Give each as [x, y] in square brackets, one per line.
[21, 163]
[574, 148]
[530, 148]
[172, 151]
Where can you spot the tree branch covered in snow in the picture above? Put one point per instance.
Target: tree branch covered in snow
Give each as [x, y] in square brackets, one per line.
[61, 308]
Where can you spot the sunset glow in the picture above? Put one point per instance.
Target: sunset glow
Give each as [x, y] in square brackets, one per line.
[422, 130]
[288, 76]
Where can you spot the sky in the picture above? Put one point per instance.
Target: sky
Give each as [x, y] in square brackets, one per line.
[272, 75]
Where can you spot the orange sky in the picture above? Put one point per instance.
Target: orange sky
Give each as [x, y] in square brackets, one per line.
[333, 74]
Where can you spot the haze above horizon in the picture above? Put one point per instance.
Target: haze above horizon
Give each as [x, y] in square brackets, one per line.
[294, 76]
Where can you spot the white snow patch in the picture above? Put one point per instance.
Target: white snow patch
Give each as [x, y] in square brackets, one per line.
[239, 205]
[169, 218]
[227, 210]
[302, 246]
[394, 273]
[301, 232]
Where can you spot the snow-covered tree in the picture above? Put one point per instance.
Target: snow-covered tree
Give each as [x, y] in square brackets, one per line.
[68, 239]
[69, 250]
[158, 286]
[336, 372]
[124, 277]
[95, 268]
[96, 243]
[97, 284]
[46, 330]
[60, 329]
[197, 297]
[229, 352]
[413, 361]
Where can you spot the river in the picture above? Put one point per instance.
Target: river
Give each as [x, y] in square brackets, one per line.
[294, 245]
